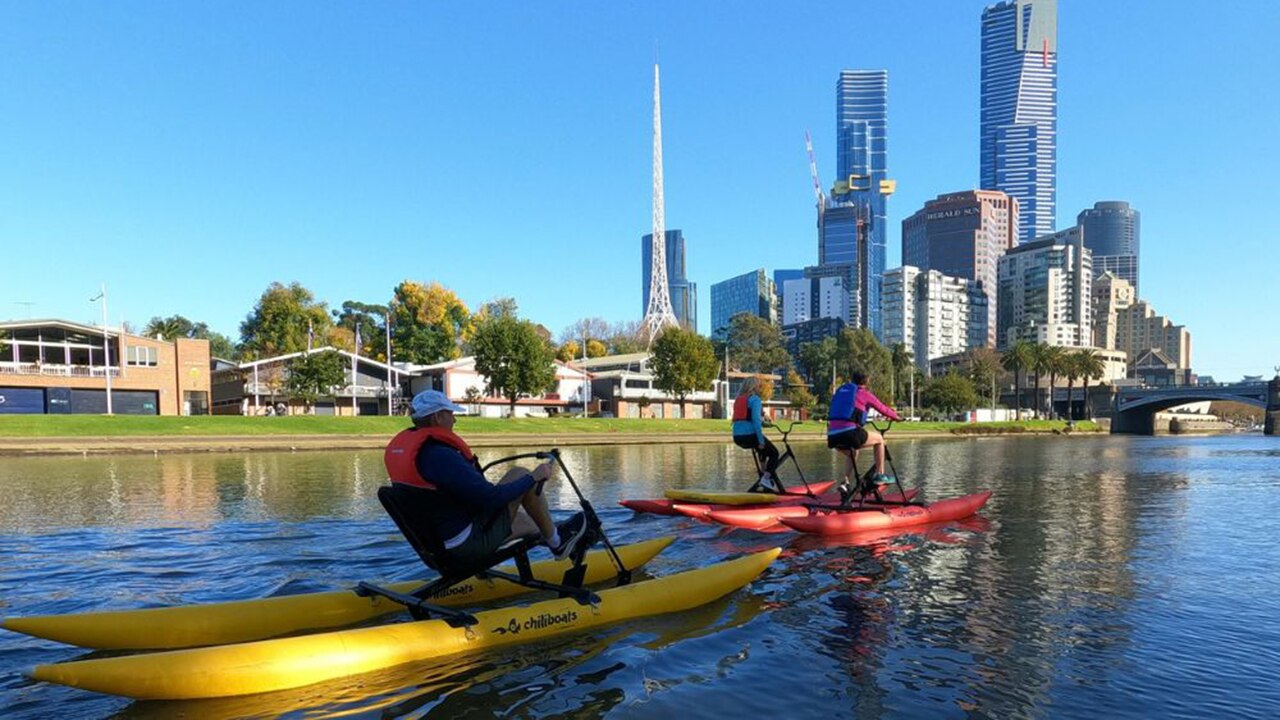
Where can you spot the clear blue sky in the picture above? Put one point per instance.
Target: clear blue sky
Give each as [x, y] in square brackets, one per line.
[189, 154]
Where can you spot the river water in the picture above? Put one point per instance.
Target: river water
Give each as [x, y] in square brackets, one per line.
[1107, 577]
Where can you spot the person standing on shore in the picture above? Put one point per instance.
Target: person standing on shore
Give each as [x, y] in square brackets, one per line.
[748, 431]
[471, 516]
[846, 431]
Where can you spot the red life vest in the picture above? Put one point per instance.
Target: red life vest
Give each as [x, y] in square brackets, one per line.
[740, 409]
[401, 456]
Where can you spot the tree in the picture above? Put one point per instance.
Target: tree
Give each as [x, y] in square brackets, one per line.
[817, 362]
[798, 394]
[596, 348]
[951, 393]
[683, 362]
[1019, 358]
[1054, 356]
[515, 359]
[755, 344]
[177, 326]
[428, 323]
[626, 337]
[900, 359]
[285, 320]
[984, 370]
[1090, 367]
[315, 374]
[568, 351]
[592, 328]
[1070, 367]
[859, 351]
[371, 321]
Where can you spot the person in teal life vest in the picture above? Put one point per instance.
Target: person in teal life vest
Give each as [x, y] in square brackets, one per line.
[471, 516]
[846, 431]
[748, 431]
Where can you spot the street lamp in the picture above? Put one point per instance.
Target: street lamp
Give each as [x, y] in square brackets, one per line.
[106, 342]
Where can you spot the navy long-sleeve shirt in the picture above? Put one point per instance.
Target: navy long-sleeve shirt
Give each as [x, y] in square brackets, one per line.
[464, 494]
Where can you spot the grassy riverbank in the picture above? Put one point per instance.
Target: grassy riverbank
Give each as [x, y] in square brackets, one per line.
[71, 426]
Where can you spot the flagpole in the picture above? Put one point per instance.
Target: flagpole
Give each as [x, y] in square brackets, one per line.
[386, 324]
[106, 343]
[355, 360]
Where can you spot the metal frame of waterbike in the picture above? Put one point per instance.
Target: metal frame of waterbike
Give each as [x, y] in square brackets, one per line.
[882, 505]
[571, 584]
[757, 487]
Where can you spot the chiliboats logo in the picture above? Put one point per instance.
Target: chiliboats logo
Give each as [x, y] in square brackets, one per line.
[538, 622]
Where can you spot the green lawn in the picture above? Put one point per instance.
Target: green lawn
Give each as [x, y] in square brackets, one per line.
[123, 425]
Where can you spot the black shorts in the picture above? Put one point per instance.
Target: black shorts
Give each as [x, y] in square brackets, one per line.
[487, 535]
[747, 442]
[848, 439]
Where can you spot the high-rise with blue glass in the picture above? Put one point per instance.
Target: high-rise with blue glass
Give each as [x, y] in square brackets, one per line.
[1112, 230]
[684, 293]
[1019, 120]
[859, 196]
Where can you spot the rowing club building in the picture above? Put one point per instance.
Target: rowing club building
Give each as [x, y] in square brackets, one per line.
[57, 367]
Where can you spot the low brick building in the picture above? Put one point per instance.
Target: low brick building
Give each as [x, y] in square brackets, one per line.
[60, 367]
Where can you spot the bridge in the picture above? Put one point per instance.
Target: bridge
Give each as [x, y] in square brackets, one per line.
[1134, 409]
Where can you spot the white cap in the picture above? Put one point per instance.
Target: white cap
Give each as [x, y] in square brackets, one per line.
[429, 402]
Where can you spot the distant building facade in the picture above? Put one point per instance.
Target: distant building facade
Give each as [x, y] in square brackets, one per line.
[683, 291]
[1045, 292]
[809, 331]
[58, 367]
[932, 314]
[1019, 108]
[751, 293]
[964, 235]
[1113, 231]
[1111, 294]
[1139, 330]
[812, 298]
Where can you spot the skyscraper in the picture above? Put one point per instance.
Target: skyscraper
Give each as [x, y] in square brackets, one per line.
[861, 189]
[1046, 292]
[963, 234]
[682, 291]
[747, 293]
[1112, 230]
[1019, 120]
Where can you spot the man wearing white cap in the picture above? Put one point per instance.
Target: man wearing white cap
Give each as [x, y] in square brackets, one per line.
[471, 516]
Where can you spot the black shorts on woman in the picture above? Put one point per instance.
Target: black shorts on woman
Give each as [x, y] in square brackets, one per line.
[850, 439]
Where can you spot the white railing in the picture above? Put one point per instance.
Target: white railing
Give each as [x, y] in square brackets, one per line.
[21, 368]
[264, 389]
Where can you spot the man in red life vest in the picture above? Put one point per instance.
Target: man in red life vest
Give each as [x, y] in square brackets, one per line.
[471, 516]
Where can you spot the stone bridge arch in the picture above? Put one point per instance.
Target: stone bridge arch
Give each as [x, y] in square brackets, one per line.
[1134, 410]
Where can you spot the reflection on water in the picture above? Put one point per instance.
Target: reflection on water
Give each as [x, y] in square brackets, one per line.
[1106, 577]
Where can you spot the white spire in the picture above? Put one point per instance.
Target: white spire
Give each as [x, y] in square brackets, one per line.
[659, 314]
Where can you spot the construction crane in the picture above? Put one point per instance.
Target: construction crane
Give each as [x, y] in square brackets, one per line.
[813, 170]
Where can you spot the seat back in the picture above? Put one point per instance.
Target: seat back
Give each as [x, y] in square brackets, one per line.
[407, 507]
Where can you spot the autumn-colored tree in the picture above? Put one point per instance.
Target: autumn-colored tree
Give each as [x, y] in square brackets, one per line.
[370, 320]
[798, 393]
[568, 351]
[287, 319]
[596, 348]
[428, 323]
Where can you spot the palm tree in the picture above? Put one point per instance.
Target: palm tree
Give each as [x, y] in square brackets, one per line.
[1090, 366]
[1053, 364]
[168, 328]
[1039, 367]
[900, 357]
[1071, 368]
[984, 369]
[1018, 357]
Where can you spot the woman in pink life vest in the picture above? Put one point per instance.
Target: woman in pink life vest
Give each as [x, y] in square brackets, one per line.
[846, 431]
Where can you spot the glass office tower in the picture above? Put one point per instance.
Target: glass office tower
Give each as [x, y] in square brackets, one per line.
[1112, 230]
[862, 117]
[1019, 117]
[683, 292]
